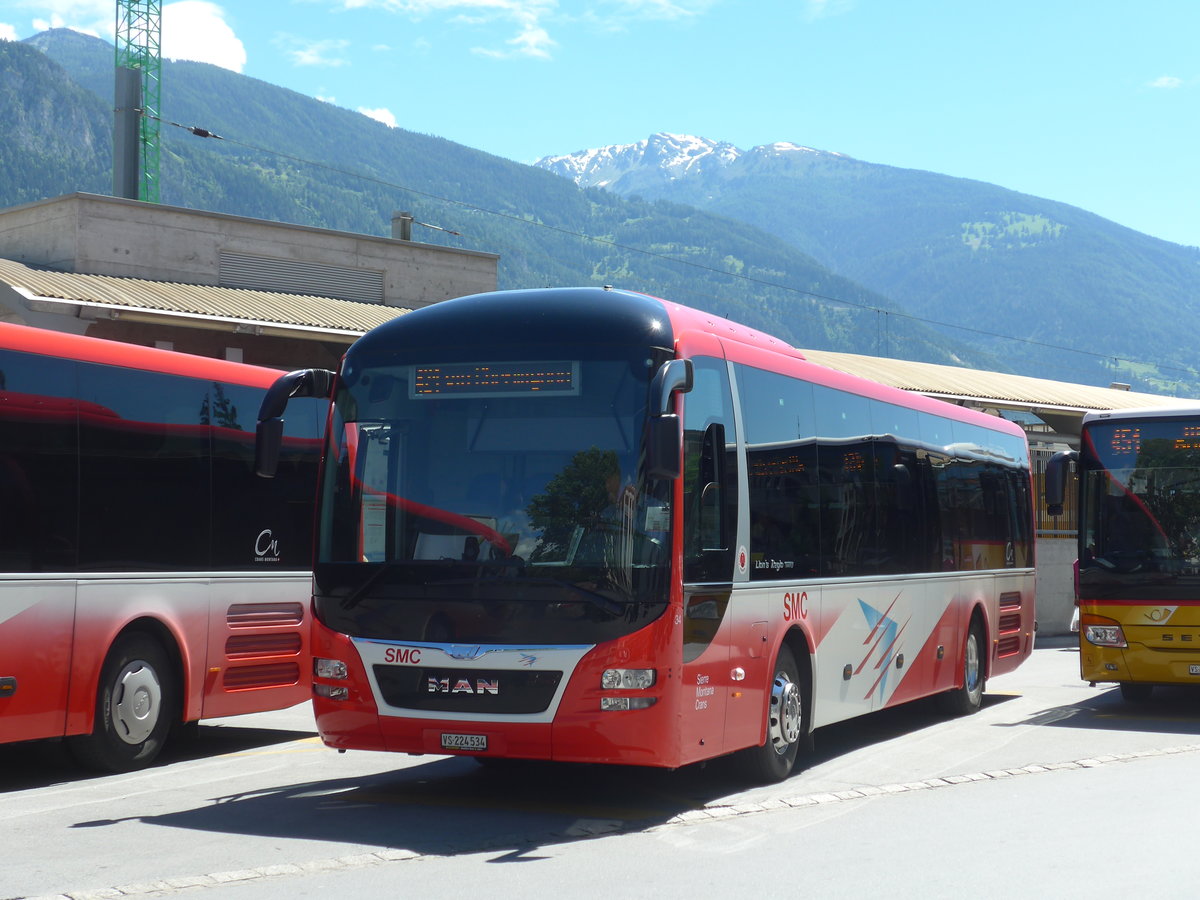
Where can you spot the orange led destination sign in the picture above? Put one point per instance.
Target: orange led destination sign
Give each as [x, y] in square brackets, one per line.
[495, 379]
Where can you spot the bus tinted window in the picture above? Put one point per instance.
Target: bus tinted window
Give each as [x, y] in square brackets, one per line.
[38, 475]
[144, 473]
[259, 522]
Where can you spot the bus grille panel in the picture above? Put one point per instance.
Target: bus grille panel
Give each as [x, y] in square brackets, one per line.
[467, 690]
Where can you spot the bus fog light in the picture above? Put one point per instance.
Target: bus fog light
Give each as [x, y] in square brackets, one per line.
[609, 704]
[627, 679]
[333, 693]
[330, 668]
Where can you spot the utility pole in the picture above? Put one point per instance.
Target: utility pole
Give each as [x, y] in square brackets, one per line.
[136, 100]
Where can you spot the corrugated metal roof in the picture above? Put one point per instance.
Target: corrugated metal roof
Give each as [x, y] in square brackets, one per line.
[1004, 390]
[299, 311]
[349, 319]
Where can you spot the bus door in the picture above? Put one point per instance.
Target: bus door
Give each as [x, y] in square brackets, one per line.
[709, 514]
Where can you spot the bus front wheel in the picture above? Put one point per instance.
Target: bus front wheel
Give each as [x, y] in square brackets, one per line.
[1136, 692]
[773, 760]
[135, 703]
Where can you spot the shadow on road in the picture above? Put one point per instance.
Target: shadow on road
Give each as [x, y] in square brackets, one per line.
[37, 764]
[456, 805]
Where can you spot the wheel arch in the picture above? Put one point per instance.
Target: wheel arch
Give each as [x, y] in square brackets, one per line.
[85, 688]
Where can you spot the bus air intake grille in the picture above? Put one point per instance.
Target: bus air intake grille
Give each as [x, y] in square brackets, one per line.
[258, 615]
[245, 678]
[467, 690]
[250, 646]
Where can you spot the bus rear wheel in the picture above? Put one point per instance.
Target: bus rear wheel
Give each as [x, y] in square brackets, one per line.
[964, 700]
[773, 760]
[135, 703]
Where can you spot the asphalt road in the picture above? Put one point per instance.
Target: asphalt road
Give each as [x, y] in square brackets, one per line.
[256, 806]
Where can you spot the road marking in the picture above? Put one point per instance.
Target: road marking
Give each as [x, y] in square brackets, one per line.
[591, 827]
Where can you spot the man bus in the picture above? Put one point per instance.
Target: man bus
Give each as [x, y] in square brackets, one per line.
[591, 525]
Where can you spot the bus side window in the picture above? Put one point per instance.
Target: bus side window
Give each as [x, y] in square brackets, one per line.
[709, 506]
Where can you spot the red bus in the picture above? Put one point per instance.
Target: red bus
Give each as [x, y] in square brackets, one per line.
[591, 525]
[147, 578]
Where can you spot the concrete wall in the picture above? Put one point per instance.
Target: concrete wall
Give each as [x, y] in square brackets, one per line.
[1055, 585]
[98, 235]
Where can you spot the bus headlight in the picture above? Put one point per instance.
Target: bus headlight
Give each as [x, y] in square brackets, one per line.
[627, 679]
[330, 668]
[1103, 632]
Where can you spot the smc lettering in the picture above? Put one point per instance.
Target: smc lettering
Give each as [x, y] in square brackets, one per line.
[405, 656]
[795, 606]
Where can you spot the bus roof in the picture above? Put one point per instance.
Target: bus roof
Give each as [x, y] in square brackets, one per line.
[131, 356]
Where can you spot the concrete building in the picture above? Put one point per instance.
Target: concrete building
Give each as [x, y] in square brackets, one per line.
[216, 285]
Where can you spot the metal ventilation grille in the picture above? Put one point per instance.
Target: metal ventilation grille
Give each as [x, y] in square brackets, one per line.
[262, 273]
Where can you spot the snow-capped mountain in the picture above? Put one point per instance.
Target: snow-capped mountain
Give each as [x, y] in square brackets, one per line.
[668, 157]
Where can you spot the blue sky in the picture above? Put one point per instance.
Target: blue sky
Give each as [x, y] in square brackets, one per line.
[1095, 103]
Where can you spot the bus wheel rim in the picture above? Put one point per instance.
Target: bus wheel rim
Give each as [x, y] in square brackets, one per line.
[972, 665]
[786, 713]
[136, 702]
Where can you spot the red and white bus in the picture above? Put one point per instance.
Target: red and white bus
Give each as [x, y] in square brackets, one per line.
[147, 577]
[591, 525]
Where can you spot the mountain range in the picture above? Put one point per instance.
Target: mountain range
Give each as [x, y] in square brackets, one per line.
[953, 250]
[823, 250]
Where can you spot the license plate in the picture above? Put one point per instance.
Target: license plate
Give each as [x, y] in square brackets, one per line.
[464, 741]
[1194, 670]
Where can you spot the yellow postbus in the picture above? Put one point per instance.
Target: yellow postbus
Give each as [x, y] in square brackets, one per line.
[1138, 587]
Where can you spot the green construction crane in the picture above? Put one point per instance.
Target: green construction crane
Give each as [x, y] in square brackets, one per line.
[138, 89]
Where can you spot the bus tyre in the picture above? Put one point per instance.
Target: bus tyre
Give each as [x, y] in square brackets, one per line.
[135, 703]
[964, 700]
[1134, 692]
[774, 759]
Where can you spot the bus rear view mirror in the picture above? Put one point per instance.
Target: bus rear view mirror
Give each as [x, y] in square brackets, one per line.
[268, 436]
[1056, 480]
[664, 443]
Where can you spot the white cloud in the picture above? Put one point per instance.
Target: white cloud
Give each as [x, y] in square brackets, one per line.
[197, 30]
[93, 17]
[821, 9]
[57, 21]
[382, 114]
[533, 42]
[304, 52]
[1167, 81]
[7, 32]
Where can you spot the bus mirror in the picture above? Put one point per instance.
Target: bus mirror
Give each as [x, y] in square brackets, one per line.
[663, 446]
[269, 433]
[268, 438]
[675, 375]
[1056, 480]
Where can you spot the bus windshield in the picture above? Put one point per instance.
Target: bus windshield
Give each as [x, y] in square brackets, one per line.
[491, 500]
[1141, 492]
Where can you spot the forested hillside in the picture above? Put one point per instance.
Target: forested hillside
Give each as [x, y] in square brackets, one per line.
[287, 157]
[948, 249]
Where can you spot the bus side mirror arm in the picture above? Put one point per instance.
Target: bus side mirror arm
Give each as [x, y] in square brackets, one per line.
[268, 434]
[664, 435]
[1056, 480]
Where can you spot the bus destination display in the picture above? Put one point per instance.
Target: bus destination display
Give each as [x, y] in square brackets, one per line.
[495, 379]
[1127, 440]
